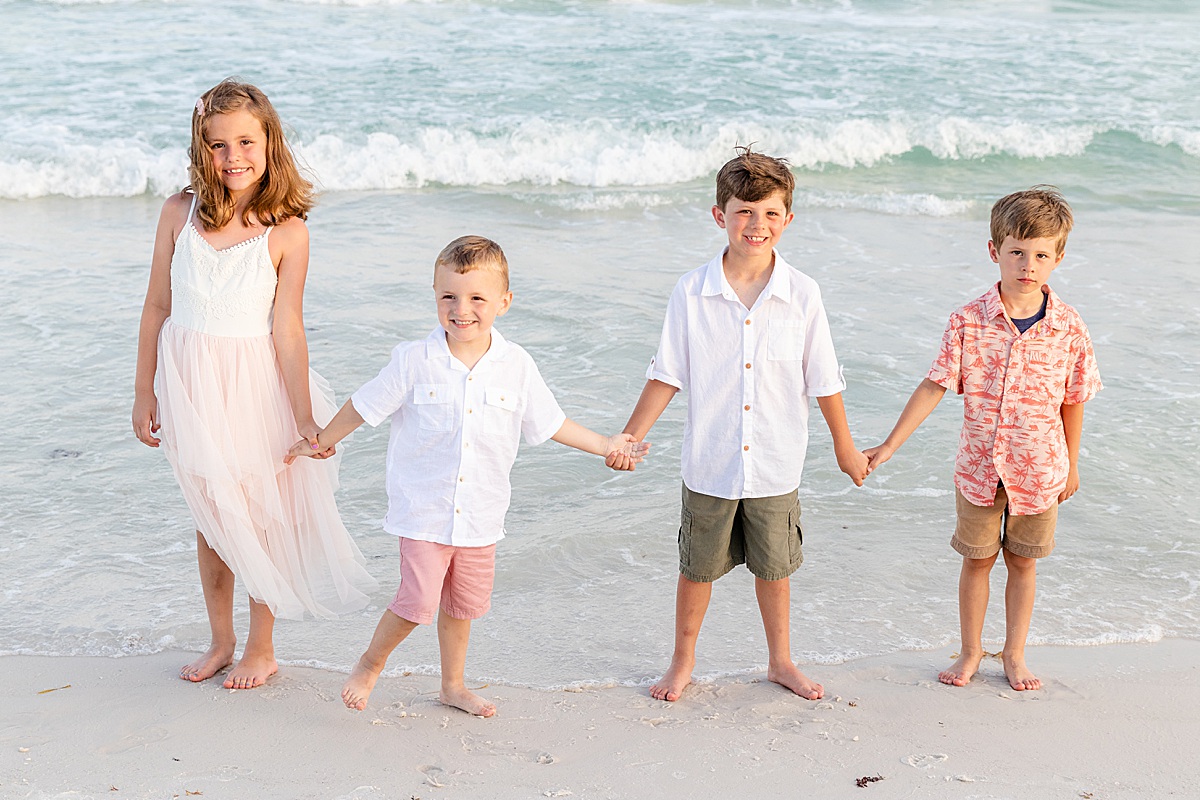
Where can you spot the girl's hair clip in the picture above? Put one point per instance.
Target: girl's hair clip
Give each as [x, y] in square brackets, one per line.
[200, 107]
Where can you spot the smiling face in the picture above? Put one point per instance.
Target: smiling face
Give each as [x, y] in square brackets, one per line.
[1025, 267]
[753, 228]
[468, 303]
[237, 144]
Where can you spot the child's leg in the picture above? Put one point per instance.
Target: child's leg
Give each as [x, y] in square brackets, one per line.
[973, 587]
[217, 581]
[389, 633]
[1018, 611]
[691, 603]
[775, 602]
[453, 637]
[258, 659]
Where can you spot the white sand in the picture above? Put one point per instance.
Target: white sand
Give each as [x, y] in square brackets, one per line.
[1118, 721]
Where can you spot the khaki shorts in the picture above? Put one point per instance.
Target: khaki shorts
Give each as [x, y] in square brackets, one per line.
[715, 535]
[982, 530]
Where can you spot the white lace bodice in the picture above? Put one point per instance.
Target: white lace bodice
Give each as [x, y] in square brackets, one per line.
[228, 292]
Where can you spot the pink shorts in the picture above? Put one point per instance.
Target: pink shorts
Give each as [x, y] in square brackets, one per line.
[456, 579]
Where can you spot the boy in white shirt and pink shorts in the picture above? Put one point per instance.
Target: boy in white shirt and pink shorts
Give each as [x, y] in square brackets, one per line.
[459, 402]
[747, 337]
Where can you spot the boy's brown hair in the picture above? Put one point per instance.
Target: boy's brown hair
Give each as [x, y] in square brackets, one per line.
[280, 194]
[469, 253]
[1040, 212]
[751, 177]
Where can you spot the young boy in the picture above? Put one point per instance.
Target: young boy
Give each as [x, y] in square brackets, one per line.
[747, 337]
[459, 402]
[1023, 361]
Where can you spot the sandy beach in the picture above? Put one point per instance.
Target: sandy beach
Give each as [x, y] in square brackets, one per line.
[1112, 722]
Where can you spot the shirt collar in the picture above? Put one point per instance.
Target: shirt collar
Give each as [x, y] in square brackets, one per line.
[436, 347]
[715, 282]
[1055, 311]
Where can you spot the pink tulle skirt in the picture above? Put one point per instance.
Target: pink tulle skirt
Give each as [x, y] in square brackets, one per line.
[226, 425]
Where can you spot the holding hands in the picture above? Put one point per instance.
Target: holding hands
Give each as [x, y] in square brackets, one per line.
[624, 452]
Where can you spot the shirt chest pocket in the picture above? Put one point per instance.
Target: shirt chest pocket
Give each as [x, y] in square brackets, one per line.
[785, 339]
[499, 411]
[435, 407]
[1043, 372]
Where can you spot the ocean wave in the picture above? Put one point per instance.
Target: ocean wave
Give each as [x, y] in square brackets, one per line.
[594, 154]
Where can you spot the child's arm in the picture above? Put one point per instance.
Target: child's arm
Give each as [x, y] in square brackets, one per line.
[922, 403]
[287, 330]
[344, 422]
[155, 311]
[849, 460]
[655, 397]
[572, 434]
[1072, 418]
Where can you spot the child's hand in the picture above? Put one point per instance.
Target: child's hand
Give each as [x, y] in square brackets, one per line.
[876, 456]
[309, 448]
[1072, 485]
[854, 464]
[624, 452]
[145, 419]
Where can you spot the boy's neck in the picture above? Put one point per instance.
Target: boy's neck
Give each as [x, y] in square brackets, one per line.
[1022, 306]
[469, 353]
[748, 276]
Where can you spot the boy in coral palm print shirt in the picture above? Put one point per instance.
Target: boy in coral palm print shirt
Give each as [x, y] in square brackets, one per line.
[1023, 361]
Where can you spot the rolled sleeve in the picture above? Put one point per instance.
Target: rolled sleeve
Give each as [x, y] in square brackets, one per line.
[1083, 379]
[822, 372]
[946, 370]
[543, 417]
[670, 363]
[379, 398]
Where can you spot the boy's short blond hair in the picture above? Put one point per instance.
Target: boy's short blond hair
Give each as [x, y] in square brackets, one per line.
[1040, 212]
[469, 253]
[752, 177]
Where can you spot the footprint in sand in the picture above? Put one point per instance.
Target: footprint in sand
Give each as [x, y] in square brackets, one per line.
[926, 760]
[434, 776]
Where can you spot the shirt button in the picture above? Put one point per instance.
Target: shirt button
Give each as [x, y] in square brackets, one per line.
[745, 408]
[470, 377]
[746, 447]
[747, 365]
[469, 411]
[747, 322]
[458, 511]
[460, 479]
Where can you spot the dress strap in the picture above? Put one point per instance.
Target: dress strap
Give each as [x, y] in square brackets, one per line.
[192, 210]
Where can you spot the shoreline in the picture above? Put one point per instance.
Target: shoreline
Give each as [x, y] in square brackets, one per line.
[1113, 721]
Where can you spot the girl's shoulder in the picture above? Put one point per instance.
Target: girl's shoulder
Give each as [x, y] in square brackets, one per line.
[291, 232]
[175, 211]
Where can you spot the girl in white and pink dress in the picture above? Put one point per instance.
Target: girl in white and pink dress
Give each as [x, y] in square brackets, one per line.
[222, 373]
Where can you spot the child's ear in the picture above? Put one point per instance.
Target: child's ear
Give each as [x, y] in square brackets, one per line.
[993, 252]
[505, 303]
[719, 215]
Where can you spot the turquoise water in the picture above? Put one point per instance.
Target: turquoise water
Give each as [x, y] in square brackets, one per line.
[584, 137]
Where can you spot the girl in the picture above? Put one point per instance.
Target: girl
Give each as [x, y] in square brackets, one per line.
[222, 369]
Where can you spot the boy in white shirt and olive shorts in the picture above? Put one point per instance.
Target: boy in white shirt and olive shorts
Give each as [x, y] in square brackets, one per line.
[746, 336]
[459, 402]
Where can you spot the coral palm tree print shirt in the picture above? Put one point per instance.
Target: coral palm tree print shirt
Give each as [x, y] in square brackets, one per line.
[1013, 388]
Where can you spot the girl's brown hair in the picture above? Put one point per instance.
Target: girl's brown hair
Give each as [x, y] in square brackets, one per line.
[281, 193]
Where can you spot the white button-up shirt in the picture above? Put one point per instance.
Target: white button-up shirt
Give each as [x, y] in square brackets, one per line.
[749, 374]
[454, 436]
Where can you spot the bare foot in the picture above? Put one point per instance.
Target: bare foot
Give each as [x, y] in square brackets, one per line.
[251, 672]
[961, 671]
[213, 661]
[1019, 676]
[670, 686]
[790, 677]
[358, 686]
[468, 701]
